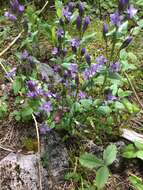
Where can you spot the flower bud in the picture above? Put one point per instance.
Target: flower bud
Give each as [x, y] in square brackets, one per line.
[83, 51]
[81, 8]
[126, 42]
[87, 58]
[78, 22]
[122, 4]
[86, 22]
[105, 30]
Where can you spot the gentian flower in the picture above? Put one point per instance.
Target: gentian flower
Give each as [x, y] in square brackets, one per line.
[66, 13]
[126, 42]
[86, 22]
[131, 11]
[82, 95]
[16, 6]
[55, 51]
[11, 73]
[116, 19]
[83, 51]
[105, 30]
[74, 44]
[34, 90]
[122, 4]
[87, 58]
[115, 67]
[78, 22]
[24, 55]
[111, 97]
[10, 16]
[60, 33]
[101, 60]
[44, 129]
[73, 68]
[81, 8]
[71, 6]
[46, 107]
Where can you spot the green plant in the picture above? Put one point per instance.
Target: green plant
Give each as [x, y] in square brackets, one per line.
[133, 150]
[3, 107]
[101, 165]
[136, 182]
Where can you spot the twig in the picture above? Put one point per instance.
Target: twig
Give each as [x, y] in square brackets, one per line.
[43, 7]
[11, 44]
[39, 150]
[133, 89]
[6, 149]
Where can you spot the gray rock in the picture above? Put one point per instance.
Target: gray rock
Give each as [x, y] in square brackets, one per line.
[20, 172]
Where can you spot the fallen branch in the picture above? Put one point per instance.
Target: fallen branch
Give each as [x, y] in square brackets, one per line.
[39, 150]
[131, 135]
[6, 149]
[11, 44]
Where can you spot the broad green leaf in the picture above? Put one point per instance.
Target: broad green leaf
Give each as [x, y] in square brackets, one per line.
[136, 182]
[27, 111]
[123, 28]
[139, 154]
[105, 110]
[129, 154]
[17, 85]
[90, 161]
[86, 103]
[139, 145]
[109, 154]
[102, 175]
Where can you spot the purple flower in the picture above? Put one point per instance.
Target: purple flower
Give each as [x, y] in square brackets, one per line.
[81, 8]
[82, 95]
[87, 58]
[111, 97]
[78, 22]
[116, 19]
[11, 73]
[66, 13]
[101, 60]
[14, 4]
[83, 51]
[46, 107]
[131, 11]
[60, 33]
[10, 16]
[30, 60]
[115, 67]
[126, 42]
[55, 51]
[73, 68]
[105, 30]
[71, 6]
[122, 4]
[86, 22]
[31, 85]
[21, 8]
[44, 129]
[64, 51]
[74, 44]
[24, 55]
[49, 95]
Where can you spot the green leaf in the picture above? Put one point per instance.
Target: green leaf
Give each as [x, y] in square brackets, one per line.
[17, 85]
[90, 161]
[27, 111]
[139, 145]
[139, 154]
[102, 175]
[129, 154]
[109, 154]
[88, 37]
[136, 182]
[105, 110]
[86, 103]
